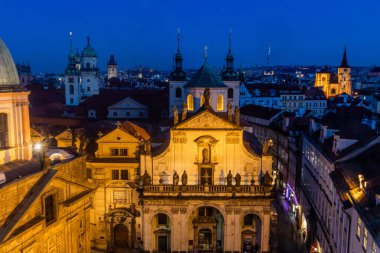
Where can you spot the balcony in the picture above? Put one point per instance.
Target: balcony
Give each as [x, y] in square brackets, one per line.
[206, 191]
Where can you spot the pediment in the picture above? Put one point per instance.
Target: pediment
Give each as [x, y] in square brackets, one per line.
[127, 103]
[118, 135]
[206, 120]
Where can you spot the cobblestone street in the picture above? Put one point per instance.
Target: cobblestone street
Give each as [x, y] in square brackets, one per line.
[284, 232]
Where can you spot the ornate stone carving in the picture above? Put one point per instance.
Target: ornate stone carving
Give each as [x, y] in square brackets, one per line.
[229, 178]
[179, 137]
[184, 178]
[175, 210]
[146, 210]
[232, 137]
[175, 115]
[207, 120]
[183, 210]
[175, 178]
[229, 210]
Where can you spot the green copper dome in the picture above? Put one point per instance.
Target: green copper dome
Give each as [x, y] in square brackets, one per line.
[205, 78]
[88, 51]
[8, 71]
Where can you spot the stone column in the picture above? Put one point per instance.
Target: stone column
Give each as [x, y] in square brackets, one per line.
[266, 234]
[229, 232]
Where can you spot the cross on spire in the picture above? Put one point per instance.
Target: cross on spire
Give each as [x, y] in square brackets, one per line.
[178, 35]
[229, 40]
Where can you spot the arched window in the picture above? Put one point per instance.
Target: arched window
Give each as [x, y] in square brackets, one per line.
[3, 130]
[220, 105]
[178, 92]
[71, 88]
[88, 65]
[230, 93]
[202, 101]
[190, 102]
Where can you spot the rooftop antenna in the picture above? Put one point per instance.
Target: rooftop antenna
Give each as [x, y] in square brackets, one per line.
[269, 57]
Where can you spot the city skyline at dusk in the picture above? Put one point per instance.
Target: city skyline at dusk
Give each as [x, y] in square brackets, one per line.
[144, 32]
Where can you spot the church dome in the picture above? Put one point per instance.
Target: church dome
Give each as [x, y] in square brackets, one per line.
[8, 71]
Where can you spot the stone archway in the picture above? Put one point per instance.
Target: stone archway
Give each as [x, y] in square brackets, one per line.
[251, 232]
[206, 229]
[161, 228]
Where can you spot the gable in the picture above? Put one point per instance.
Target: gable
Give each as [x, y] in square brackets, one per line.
[115, 134]
[127, 103]
[66, 135]
[206, 120]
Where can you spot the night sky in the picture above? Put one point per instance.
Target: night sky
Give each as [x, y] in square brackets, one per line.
[144, 32]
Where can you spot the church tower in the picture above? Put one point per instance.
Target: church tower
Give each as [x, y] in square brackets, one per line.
[72, 78]
[344, 75]
[90, 71]
[177, 81]
[112, 67]
[15, 142]
[230, 76]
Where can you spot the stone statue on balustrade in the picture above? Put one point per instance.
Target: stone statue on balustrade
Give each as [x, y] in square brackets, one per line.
[146, 178]
[267, 179]
[229, 178]
[175, 178]
[184, 178]
[237, 179]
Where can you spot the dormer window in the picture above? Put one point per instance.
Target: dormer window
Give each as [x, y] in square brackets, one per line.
[50, 209]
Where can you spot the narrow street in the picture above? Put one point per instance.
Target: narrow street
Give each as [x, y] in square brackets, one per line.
[283, 234]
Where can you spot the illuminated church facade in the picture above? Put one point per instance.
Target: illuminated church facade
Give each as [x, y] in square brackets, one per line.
[335, 84]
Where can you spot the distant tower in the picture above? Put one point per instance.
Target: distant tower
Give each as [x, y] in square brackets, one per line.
[344, 75]
[25, 74]
[72, 78]
[89, 70]
[269, 71]
[269, 57]
[178, 74]
[112, 67]
[229, 73]
[177, 94]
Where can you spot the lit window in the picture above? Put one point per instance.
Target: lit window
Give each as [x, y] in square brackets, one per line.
[190, 102]
[220, 104]
[358, 229]
[202, 101]
[365, 238]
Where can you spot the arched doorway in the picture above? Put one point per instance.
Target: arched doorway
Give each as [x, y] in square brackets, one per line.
[206, 230]
[161, 225]
[251, 229]
[121, 234]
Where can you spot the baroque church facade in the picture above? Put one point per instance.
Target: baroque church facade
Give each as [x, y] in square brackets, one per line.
[81, 74]
[335, 84]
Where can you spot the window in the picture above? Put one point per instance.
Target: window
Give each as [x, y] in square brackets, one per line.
[190, 102]
[248, 220]
[141, 114]
[123, 152]
[333, 91]
[124, 174]
[71, 89]
[178, 92]
[230, 93]
[88, 89]
[358, 229]
[115, 174]
[71, 101]
[162, 219]
[220, 104]
[71, 79]
[50, 212]
[89, 173]
[365, 238]
[128, 114]
[3, 130]
[202, 101]
[205, 211]
[114, 152]
[115, 114]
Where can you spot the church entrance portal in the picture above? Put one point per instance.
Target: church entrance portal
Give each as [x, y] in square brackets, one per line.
[121, 236]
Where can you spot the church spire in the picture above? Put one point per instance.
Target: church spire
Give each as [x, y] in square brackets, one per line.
[71, 51]
[344, 63]
[229, 73]
[178, 74]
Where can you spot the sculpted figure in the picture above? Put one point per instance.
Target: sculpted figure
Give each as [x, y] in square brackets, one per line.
[229, 178]
[175, 115]
[206, 95]
[184, 178]
[237, 179]
[146, 178]
[229, 111]
[267, 179]
[205, 156]
[237, 115]
[184, 111]
[175, 178]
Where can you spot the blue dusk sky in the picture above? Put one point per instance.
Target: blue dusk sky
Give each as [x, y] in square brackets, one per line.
[144, 32]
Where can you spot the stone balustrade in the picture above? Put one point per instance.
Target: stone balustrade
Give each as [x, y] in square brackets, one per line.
[210, 190]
